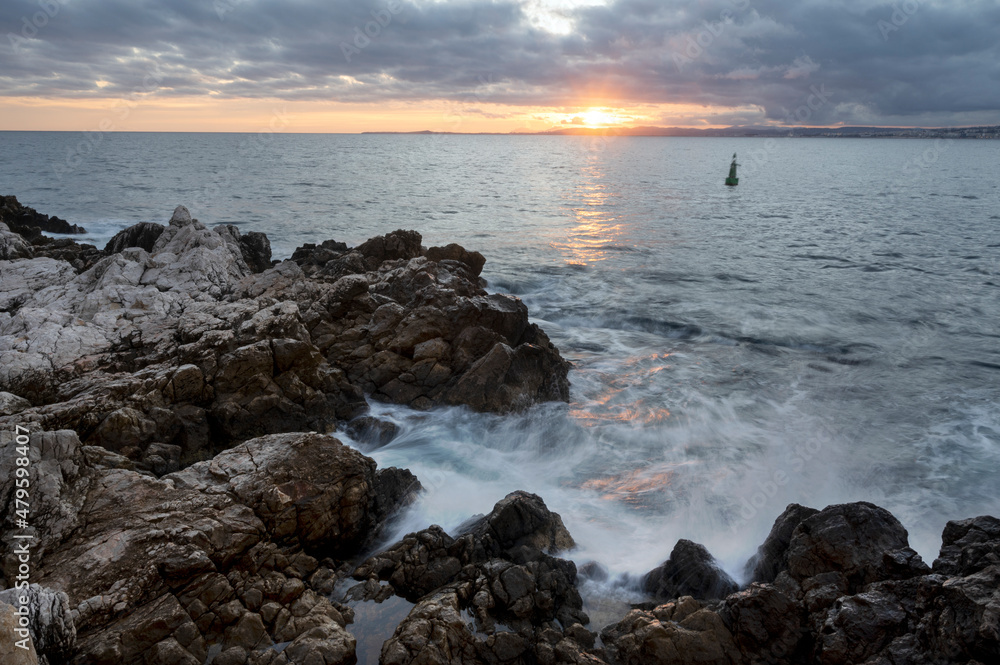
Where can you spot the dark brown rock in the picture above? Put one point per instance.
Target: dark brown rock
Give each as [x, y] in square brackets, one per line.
[772, 556]
[968, 546]
[849, 539]
[454, 252]
[256, 251]
[690, 571]
[28, 221]
[143, 234]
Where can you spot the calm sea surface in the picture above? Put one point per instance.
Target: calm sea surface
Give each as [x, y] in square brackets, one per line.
[828, 331]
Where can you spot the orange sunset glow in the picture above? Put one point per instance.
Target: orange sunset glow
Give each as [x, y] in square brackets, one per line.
[256, 115]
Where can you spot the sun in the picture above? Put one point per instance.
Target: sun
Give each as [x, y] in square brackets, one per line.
[599, 118]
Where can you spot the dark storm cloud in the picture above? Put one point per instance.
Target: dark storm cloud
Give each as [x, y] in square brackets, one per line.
[813, 61]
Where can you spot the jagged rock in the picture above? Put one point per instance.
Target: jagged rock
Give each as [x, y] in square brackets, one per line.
[80, 255]
[254, 247]
[430, 559]
[766, 625]
[520, 519]
[256, 251]
[772, 556]
[187, 337]
[434, 632]
[839, 549]
[373, 431]
[851, 540]
[418, 564]
[143, 234]
[679, 633]
[328, 643]
[969, 546]
[28, 222]
[690, 571]
[399, 244]
[512, 607]
[496, 573]
[147, 583]
[181, 217]
[454, 252]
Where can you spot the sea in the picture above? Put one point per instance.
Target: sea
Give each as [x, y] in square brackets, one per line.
[826, 331]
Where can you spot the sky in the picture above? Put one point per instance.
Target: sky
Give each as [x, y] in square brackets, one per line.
[495, 66]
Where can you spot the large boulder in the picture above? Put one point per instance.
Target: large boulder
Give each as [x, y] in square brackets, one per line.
[454, 252]
[520, 519]
[838, 549]
[772, 556]
[859, 542]
[969, 546]
[690, 571]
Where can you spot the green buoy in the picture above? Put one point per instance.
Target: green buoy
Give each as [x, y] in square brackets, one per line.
[732, 180]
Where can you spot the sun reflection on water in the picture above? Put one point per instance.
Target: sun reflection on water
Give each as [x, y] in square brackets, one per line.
[617, 402]
[637, 487]
[598, 226]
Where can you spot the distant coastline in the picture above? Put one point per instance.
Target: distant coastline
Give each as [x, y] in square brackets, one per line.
[984, 132]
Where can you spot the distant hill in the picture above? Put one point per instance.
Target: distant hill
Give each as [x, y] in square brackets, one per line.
[986, 132]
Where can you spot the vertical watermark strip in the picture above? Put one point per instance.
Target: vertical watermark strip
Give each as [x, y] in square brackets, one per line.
[22, 536]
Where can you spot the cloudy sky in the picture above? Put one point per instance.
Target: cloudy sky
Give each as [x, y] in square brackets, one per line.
[481, 65]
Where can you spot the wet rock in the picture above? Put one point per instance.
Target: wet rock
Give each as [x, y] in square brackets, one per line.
[849, 539]
[372, 431]
[690, 571]
[454, 252]
[969, 546]
[767, 625]
[490, 594]
[393, 246]
[143, 235]
[772, 556]
[434, 632]
[860, 626]
[423, 561]
[28, 222]
[593, 570]
[520, 519]
[328, 643]
[678, 633]
[418, 564]
[256, 251]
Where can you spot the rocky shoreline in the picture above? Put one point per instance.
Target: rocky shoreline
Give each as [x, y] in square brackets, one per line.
[190, 502]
